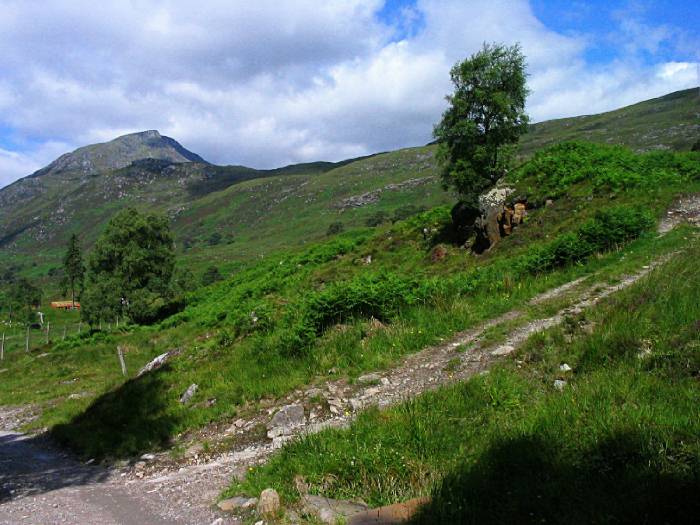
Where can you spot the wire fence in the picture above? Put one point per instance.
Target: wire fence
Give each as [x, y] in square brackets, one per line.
[22, 338]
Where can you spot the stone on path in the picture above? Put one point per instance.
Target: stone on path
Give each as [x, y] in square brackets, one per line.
[237, 502]
[565, 368]
[369, 378]
[331, 511]
[285, 420]
[503, 350]
[390, 514]
[269, 503]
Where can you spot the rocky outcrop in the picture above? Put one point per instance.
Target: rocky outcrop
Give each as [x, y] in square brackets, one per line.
[496, 217]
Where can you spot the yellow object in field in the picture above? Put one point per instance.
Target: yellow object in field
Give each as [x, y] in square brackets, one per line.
[66, 305]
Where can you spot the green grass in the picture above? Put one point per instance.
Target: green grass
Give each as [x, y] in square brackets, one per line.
[620, 444]
[284, 208]
[289, 318]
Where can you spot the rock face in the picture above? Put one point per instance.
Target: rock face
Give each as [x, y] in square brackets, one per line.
[285, 420]
[485, 225]
[497, 218]
[119, 153]
[331, 511]
[236, 503]
[189, 393]
[158, 362]
[269, 503]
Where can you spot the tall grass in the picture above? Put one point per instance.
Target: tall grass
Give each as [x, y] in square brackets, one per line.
[620, 444]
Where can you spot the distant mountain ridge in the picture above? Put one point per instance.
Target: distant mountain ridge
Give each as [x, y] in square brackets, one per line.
[262, 209]
[119, 153]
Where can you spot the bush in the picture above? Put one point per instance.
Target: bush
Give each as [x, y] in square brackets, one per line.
[378, 218]
[335, 228]
[609, 169]
[211, 275]
[404, 212]
[606, 230]
[214, 239]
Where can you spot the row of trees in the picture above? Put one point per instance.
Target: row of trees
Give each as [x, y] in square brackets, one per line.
[129, 274]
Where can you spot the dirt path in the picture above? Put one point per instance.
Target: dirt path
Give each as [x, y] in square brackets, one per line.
[41, 485]
[336, 403]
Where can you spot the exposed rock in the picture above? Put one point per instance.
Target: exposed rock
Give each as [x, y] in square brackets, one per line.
[494, 198]
[285, 420]
[564, 367]
[370, 197]
[438, 253]
[559, 384]
[503, 350]
[158, 361]
[331, 511]
[519, 213]
[269, 503]
[369, 378]
[496, 221]
[189, 393]
[148, 457]
[236, 503]
[389, 514]
[548, 203]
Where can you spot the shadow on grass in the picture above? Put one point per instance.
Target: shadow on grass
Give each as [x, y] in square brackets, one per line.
[137, 417]
[524, 481]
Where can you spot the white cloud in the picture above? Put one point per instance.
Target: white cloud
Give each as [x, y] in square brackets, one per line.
[267, 83]
[14, 165]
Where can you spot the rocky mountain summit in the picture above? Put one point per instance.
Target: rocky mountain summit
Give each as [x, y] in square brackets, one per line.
[119, 153]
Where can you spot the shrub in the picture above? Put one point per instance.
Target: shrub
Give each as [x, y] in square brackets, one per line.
[376, 219]
[404, 212]
[335, 228]
[609, 169]
[211, 275]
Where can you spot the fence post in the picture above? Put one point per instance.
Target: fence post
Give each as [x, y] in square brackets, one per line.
[64, 332]
[80, 325]
[120, 353]
[48, 330]
[26, 341]
[2, 347]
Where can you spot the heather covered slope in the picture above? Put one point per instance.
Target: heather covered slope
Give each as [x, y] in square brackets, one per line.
[290, 318]
[225, 214]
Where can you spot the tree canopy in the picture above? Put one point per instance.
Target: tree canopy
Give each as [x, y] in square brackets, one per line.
[73, 267]
[24, 298]
[485, 118]
[130, 269]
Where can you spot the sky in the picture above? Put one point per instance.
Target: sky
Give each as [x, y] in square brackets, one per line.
[275, 82]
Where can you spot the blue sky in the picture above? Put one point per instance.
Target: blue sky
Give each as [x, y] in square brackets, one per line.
[273, 82]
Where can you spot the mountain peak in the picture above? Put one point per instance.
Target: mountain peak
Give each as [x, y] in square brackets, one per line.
[121, 152]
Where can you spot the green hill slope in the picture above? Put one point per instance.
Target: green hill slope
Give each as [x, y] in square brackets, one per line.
[255, 212]
[358, 302]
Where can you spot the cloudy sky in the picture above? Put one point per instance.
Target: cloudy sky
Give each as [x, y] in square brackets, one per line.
[269, 83]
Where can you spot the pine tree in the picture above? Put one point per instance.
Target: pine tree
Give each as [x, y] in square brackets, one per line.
[73, 267]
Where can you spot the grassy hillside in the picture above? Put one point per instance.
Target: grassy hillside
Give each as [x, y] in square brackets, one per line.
[281, 208]
[290, 318]
[620, 443]
[668, 122]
